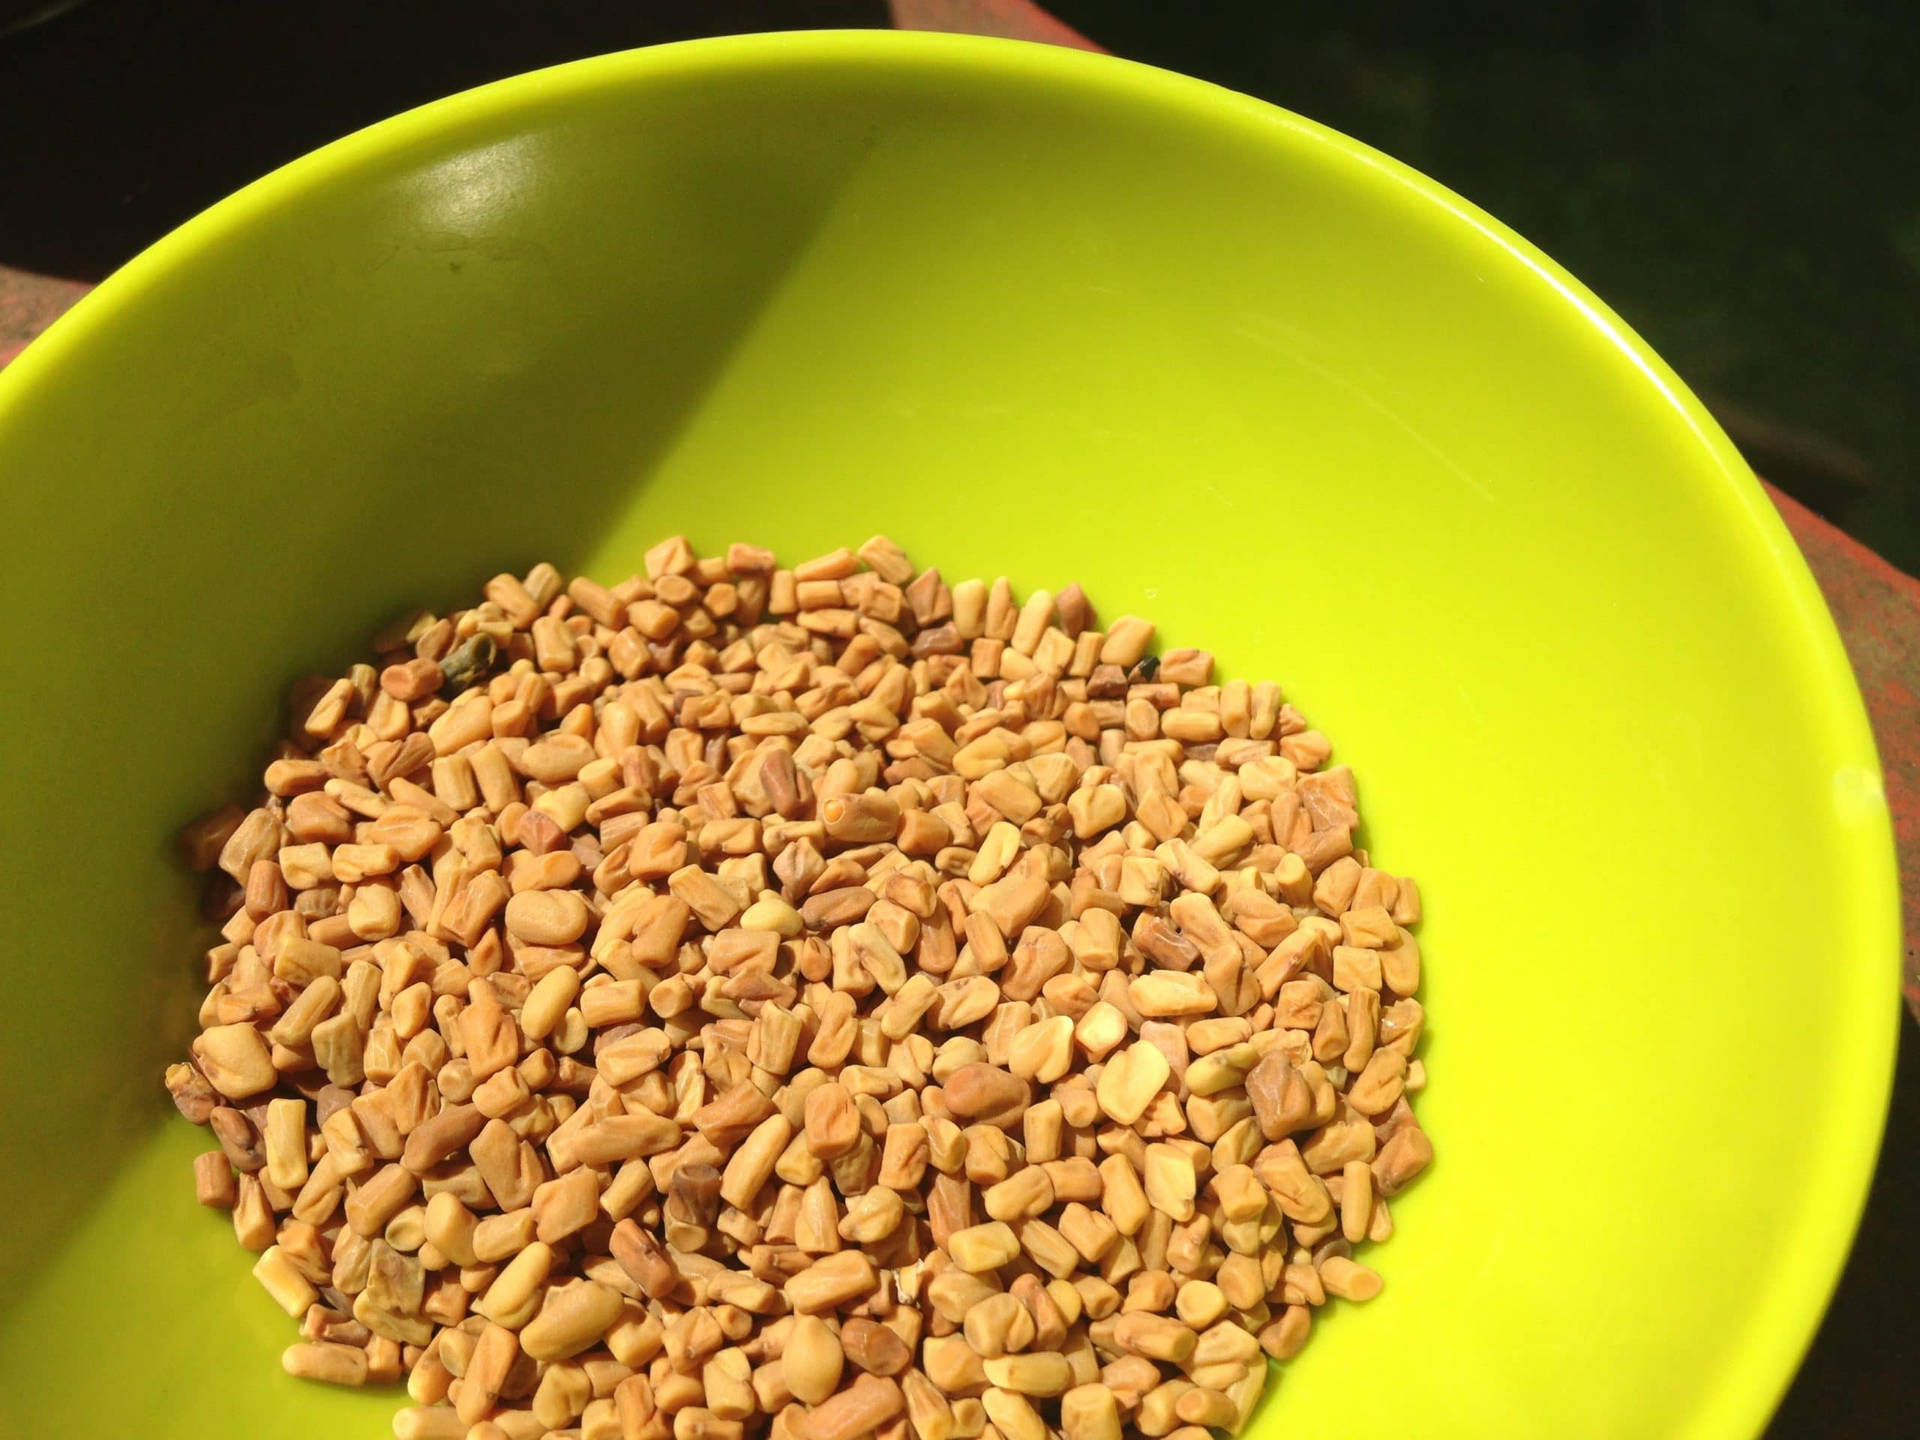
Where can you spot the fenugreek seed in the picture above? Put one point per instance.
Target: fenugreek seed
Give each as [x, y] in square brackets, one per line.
[1013, 903]
[929, 1414]
[1376, 1089]
[997, 1324]
[547, 917]
[871, 1217]
[1125, 1200]
[546, 1004]
[1090, 1412]
[1356, 1200]
[1348, 1279]
[213, 1182]
[861, 819]
[1127, 640]
[1099, 1030]
[980, 1248]
[236, 1060]
[830, 1282]
[1048, 1248]
[1169, 1181]
[1043, 1052]
[449, 1226]
[650, 901]
[328, 1363]
[571, 1318]
[429, 1423]
[281, 1279]
[812, 1361]
[1162, 993]
[1404, 1156]
[1042, 1373]
[873, 1347]
[1204, 1407]
[1130, 1081]
[1013, 1415]
[286, 1143]
[1154, 1337]
[1025, 1193]
[514, 1295]
[864, 1406]
[1200, 1303]
[372, 1204]
[987, 1094]
[567, 1205]
[1223, 1343]
[487, 1369]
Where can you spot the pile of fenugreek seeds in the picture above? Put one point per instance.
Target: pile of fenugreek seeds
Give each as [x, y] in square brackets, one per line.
[817, 1002]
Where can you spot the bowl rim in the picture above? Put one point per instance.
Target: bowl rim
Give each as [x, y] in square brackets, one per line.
[1755, 1375]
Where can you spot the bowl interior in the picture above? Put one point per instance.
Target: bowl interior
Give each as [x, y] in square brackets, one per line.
[1031, 313]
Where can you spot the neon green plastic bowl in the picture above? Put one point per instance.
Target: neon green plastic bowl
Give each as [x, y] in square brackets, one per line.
[1031, 312]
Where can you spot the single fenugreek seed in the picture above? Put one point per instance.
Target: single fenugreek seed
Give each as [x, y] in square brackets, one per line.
[1348, 1279]
[863, 1407]
[328, 1363]
[281, 1278]
[571, 1318]
[1130, 1081]
[1090, 1412]
[980, 1248]
[235, 1060]
[812, 1361]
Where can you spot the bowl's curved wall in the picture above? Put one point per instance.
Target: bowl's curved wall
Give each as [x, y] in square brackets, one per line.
[1027, 311]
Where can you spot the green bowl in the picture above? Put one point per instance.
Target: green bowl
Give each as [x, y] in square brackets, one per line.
[1031, 312]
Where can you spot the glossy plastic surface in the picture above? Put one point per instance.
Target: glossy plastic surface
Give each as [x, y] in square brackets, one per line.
[1031, 312]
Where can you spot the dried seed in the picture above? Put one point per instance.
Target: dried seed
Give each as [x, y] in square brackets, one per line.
[1154, 1337]
[571, 1318]
[1349, 1280]
[727, 903]
[864, 1406]
[1090, 1412]
[1043, 1373]
[812, 1361]
[980, 1248]
[987, 1094]
[235, 1060]
[1130, 1081]
[831, 1282]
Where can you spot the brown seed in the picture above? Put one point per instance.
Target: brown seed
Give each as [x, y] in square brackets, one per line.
[864, 1406]
[570, 1319]
[831, 1282]
[1130, 1081]
[235, 1060]
[1154, 1337]
[1026, 1193]
[1349, 1280]
[725, 903]
[1042, 1374]
[1090, 1412]
[329, 1363]
[874, 1348]
[987, 1094]
[1013, 1415]
[547, 917]
[1282, 1099]
[813, 1360]
[1404, 1156]
[979, 1248]
[832, 1122]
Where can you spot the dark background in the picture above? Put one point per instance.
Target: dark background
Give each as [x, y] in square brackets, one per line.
[1740, 180]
